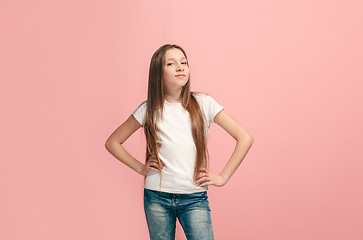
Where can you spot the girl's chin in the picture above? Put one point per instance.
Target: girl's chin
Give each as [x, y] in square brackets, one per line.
[182, 82]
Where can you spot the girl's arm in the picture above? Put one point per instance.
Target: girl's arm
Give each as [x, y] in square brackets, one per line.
[114, 146]
[244, 143]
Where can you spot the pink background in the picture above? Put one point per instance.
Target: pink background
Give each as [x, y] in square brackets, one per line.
[289, 71]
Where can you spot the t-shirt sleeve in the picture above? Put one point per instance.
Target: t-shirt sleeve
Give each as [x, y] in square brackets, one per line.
[140, 112]
[212, 108]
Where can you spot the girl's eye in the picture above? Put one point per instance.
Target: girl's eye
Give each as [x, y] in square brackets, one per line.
[172, 63]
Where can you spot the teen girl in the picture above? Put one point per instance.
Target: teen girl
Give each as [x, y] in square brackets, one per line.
[176, 123]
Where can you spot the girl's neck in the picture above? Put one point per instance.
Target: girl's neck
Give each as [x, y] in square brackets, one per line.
[173, 98]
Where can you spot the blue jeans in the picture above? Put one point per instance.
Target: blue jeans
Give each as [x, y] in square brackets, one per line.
[192, 211]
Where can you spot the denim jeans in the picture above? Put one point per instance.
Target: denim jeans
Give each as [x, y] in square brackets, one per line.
[192, 210]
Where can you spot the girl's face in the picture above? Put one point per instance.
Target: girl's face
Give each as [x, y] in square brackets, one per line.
[175, 70]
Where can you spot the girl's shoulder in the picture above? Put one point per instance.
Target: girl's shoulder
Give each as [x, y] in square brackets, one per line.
[202, 97]
[141, 107]
[199, 94]
[208, 104]
[143, 104]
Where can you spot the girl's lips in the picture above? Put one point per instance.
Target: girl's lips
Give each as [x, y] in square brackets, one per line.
[181, 75]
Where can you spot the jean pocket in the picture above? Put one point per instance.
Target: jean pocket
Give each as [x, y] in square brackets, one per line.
[149, 193]
[152, 195]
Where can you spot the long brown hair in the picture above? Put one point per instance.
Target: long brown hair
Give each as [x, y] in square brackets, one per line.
[155, 106]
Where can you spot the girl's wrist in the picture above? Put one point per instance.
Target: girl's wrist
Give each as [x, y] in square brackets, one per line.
[141, 169]
[225, 179]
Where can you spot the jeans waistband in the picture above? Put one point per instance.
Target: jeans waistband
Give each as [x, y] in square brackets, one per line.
[175, 195]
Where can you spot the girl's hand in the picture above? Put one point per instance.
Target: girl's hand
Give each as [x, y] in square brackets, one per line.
[206, 178]
[151, 164]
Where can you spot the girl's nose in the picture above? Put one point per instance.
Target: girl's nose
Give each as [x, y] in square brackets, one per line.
[180, 67]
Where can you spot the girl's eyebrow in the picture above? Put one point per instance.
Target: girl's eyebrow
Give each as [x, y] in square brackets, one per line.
[174, 58]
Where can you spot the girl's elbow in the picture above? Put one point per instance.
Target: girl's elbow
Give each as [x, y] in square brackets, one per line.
[249, 139]
[246, 139]
[108, 144]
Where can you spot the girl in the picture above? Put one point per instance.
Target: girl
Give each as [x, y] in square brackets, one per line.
[176, 123]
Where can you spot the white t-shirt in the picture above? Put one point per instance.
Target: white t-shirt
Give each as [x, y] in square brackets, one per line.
[177, 151]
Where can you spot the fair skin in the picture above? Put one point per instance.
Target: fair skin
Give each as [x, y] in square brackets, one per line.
[175, 64]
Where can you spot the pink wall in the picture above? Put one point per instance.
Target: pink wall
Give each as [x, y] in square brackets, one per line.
[289, 71]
